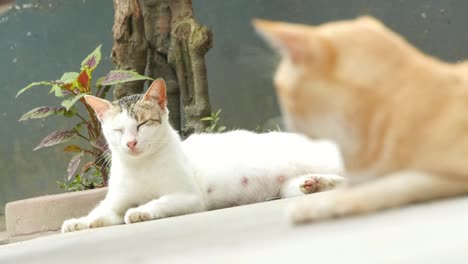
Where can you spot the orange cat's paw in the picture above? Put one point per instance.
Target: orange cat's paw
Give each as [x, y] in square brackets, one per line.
[315, 209]
[310, 210]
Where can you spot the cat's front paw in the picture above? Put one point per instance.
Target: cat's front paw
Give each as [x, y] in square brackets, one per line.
[139, 214]
[310, 185]
[75, 224]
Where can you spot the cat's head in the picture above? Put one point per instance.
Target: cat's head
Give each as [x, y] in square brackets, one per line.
[136, 125]
[336, 69]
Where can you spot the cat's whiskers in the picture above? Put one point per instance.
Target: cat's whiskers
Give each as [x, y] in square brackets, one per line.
[104, 158]
[103, 155]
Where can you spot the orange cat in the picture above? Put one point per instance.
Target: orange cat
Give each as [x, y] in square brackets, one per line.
[400, 117]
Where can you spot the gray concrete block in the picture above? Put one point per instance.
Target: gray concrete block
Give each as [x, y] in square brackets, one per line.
[47, 213]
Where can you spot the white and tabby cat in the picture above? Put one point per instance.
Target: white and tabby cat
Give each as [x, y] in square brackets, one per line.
[155, 175]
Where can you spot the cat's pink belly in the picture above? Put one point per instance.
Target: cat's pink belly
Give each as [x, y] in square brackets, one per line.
[245, 190]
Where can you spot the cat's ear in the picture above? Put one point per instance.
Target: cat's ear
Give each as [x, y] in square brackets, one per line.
[100, 106]
[157, 92]
[298, 42]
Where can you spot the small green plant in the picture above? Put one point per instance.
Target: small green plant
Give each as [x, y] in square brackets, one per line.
[71, 89]
[82, 182]
[276, 128]
[215, 127]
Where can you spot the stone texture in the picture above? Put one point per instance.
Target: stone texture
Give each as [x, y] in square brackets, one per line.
[2, 223]
[47, 213]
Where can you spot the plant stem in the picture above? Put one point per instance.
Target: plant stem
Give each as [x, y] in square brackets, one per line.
[82, 118]
[81, 136]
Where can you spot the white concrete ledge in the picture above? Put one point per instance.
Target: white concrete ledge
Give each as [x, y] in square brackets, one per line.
[47, 213]
[260, 233]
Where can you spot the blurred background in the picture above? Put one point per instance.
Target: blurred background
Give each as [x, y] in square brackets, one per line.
[41, 39]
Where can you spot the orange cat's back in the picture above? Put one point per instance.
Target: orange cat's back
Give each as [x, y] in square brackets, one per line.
[398, 115]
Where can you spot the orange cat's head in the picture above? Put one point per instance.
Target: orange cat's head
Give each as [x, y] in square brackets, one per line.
[334, 77]
[331, 69]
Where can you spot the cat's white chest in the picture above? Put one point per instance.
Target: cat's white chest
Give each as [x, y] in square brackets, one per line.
[154, 178]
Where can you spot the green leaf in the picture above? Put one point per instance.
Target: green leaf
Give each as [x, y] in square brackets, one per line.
[71, 112]
[99, 81]
[32, 85]
[41, 112]
[92, 60]
[57, 90]
[122, 76]
[72, 148]
[73, 165]
[68, 103]
[78, 126]
[208, 118]
[55, 138]
[69, 77]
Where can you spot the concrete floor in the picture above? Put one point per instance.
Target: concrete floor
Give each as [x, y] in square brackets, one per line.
[260, 233]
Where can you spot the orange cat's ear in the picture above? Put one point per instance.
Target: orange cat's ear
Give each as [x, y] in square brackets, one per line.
[100, 106]
[157, 92]
[298, 42]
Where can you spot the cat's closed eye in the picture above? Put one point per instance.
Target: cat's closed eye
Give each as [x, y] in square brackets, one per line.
[142, 123]
[149, 121]
[118, 130]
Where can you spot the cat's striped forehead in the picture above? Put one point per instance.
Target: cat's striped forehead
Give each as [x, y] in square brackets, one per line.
[127, 103]
[138, 109]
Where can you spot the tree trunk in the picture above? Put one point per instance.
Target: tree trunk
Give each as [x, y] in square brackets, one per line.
[165, 42]
[157, 17]
[189, 43]
[130, 46]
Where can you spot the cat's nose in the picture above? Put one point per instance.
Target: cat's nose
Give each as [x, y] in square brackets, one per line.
[132, 144]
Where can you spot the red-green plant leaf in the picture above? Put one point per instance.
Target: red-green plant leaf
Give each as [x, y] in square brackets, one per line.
[42, 112]
[83, 80]
[55, 138]
[92, 60]
[65, 82]
[33, 85]
[73, 165]
[68, 103]
[122, 76]
[72, 148]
